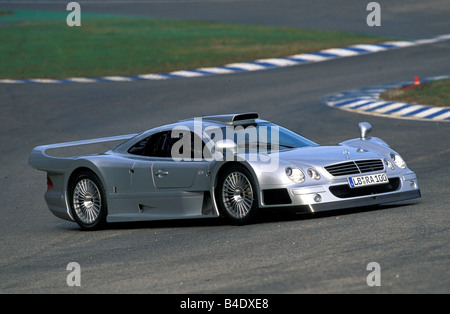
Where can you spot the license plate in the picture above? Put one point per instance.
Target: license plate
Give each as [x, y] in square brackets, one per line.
[370, 179]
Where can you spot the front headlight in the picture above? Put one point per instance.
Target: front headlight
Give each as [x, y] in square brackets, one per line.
[295, 174]
[388, 164]
[398, 161]
[313, 173]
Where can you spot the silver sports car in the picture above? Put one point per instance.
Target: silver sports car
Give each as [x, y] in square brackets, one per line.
[224, 165]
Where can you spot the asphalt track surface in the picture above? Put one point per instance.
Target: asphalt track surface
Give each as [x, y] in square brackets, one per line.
[279, 253]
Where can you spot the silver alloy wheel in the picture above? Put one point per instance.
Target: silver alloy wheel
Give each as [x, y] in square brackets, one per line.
[87, 201]
[237, 195]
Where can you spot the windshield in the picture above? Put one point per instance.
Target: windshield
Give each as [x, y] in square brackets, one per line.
[262, 136]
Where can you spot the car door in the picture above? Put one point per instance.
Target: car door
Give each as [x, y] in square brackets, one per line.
[169, 173]
[178, 188]
[177, 174]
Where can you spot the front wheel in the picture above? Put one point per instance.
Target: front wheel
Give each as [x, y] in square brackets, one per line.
[87, 201]
[237, 195]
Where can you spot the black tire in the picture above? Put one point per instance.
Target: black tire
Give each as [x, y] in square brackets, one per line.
[87, 201]
[237, 195]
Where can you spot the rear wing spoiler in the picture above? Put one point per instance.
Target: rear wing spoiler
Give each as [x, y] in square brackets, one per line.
[41, 160]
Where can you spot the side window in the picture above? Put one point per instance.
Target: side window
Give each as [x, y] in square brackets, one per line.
[196, 150]
[191, 147]
[138, 148]
[160, 145]
[153, 146]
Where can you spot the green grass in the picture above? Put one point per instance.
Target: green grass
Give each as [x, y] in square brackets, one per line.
[436, 93]
[34, 44]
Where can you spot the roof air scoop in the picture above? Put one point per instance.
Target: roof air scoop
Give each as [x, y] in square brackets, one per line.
[245, 116]
[230, 118]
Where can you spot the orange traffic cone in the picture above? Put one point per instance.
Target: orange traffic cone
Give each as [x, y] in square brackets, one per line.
[416, 80]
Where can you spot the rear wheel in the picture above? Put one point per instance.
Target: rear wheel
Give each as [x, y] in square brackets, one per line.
[237, 195]
[87, 201]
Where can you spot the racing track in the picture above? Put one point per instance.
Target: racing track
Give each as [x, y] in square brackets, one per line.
[326, 253]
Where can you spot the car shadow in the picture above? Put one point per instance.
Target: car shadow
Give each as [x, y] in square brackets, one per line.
[265, 216]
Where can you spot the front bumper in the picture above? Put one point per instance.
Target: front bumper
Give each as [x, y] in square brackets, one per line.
[366, 201]
[338, 195]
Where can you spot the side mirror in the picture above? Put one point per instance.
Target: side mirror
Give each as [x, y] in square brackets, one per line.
[225, 147]
[364, 130]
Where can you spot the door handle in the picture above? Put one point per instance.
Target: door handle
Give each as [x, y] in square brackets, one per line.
[161, 173]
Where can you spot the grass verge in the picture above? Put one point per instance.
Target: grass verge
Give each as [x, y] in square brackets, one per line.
[34, 45]
[435, 93]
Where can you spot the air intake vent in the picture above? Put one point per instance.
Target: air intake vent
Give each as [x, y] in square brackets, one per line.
[344, 191]
[355, 167]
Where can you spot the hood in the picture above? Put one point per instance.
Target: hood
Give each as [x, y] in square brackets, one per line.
[321, 156]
